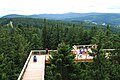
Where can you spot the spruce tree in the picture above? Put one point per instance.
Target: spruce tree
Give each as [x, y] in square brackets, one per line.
[62, 64]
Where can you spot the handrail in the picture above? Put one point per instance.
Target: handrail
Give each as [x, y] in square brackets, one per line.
[41, 50]
[25, 66]
[109, 49]
[90, 45]
[44, 70]
[75, 48]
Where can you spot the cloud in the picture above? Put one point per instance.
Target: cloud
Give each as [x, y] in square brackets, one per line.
[114, 7]
[57, 6]
[91, 6]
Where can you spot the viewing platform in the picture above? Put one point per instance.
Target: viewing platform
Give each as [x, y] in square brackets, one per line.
[36, 70]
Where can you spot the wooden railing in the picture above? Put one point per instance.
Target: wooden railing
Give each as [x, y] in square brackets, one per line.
[25, 66]
[27, 61]
[40, 51]
[109, 49]
[91, 45]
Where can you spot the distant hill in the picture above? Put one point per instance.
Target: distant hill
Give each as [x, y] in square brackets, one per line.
[97, 18]
[50, 16]
[14, 16]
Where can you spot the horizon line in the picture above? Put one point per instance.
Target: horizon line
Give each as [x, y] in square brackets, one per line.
[59, 13]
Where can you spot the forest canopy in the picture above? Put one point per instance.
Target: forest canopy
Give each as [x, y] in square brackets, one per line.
[20, 35]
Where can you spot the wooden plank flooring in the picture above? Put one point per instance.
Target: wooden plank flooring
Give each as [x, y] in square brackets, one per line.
[35, 70]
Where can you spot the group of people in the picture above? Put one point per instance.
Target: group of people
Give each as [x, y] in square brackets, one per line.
[82, 50]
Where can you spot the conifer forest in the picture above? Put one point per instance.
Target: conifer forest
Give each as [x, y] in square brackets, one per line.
[18, 36]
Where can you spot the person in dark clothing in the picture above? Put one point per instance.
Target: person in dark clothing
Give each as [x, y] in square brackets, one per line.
[46, 51]
[35, 59]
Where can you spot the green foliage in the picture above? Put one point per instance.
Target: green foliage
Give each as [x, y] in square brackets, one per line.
[26, 34]
[62, 66]
[14, 49]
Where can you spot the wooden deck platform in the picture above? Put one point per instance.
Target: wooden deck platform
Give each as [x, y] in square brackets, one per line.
[35, 70]
[84, 58]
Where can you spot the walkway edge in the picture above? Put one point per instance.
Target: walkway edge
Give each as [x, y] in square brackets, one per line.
[25, 66]
[43, 76]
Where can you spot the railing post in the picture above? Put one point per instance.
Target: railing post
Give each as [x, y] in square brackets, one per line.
[86, 57]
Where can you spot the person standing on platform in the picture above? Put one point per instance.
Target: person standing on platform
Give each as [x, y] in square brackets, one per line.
[34, 58]
[46, 51]
[80, 53]
[85, 50]
[89, 51]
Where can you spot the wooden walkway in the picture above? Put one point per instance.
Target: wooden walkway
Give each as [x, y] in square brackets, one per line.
[35, 70]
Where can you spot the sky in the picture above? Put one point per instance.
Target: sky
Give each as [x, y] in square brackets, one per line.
[29, 7]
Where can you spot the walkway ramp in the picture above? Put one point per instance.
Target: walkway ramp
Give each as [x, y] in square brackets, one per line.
[35, 70]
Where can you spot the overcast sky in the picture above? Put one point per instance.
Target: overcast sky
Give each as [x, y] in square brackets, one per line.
[28, 7]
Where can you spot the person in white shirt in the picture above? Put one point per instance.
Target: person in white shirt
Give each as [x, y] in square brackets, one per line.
[84, 49]
[89, 50]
